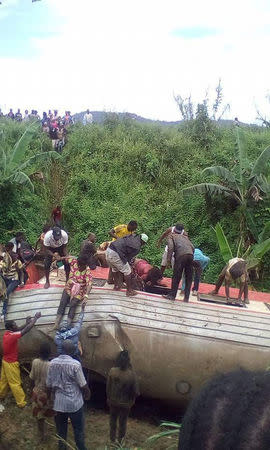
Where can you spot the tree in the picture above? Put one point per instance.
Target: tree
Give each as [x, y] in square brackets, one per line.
[247, 184]
[14, 162]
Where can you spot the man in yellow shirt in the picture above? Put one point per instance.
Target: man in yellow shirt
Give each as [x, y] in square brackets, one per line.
[123, 230]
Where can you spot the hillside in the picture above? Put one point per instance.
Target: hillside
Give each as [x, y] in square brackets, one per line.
[125, 170]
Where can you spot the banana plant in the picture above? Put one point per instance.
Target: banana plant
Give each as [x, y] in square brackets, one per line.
[15, 167]
[247, 183]
[253, 255]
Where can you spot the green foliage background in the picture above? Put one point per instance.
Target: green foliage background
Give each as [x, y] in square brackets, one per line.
[125, 170]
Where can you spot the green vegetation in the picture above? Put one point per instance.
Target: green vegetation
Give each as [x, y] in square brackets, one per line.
[124, 170]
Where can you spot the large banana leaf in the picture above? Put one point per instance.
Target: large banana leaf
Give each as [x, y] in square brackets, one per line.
[261, 164]
[21, 178]
[259, 250]
[225, 249]
[242, 158]
[265, 233]
[220, 172]
[17, 154]
[212, 189]
[40, 158]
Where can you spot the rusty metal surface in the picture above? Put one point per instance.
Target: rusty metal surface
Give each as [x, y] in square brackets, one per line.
[174, 346]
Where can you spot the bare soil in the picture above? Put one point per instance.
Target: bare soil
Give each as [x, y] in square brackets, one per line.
[18, 427]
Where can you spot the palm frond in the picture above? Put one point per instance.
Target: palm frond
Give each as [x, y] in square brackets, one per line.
[17, 154]
[259, 250]
[40, 158]
[21, 178]
[260, 166]
[224, 246]
[211, 189]
[265, 233]
[220, 172]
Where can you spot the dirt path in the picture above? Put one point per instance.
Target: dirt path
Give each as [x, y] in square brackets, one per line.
[18, 428]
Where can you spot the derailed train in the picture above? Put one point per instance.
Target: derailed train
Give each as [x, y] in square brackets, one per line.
[175, 347]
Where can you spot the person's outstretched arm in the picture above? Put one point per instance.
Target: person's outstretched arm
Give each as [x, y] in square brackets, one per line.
[163, 236]
[31, 323]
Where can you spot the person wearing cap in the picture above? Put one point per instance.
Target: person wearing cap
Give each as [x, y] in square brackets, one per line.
[183, 250]
[165, 235]
[55, 243]
[119, 255]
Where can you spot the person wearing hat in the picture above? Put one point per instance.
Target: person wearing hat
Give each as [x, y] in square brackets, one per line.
[55, 243]
[119, 255]
[183, 250]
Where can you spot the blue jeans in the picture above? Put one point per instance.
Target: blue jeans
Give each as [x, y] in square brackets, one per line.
[11, 286]
[77, 421]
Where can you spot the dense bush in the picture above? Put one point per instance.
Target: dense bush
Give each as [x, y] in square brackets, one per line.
[124, 170]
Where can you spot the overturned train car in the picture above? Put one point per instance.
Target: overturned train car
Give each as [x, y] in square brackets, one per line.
[175, 347]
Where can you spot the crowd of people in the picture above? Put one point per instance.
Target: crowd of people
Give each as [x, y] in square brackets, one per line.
[63, 376]
[53, 124]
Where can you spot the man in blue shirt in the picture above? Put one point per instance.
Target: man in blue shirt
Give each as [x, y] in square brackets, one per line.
[200, 262]
[70, 333]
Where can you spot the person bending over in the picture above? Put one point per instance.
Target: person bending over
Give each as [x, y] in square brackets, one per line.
[235, 270]
[55, 243]
[123, 230]
[119, 255]
[77, 288]
[122, 389]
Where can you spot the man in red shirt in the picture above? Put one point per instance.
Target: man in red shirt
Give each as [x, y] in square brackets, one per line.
[57, 215]
[10, 371]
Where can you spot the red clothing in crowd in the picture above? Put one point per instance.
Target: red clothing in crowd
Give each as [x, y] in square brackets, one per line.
[142, 268]
[10, 346]
[57, 214]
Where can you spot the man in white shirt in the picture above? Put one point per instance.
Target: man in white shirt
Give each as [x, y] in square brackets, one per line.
[87, 118]
[55, 243]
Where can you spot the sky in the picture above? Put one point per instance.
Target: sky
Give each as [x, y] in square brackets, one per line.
[134, 56]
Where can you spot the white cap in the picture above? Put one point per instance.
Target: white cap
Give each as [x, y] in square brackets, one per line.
[144, 237]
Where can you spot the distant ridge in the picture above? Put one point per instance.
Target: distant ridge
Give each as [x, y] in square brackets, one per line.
[101, 116]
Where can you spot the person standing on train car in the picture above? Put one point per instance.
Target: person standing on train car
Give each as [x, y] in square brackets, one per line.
[55, 243]
[183, 250]
[10, 371]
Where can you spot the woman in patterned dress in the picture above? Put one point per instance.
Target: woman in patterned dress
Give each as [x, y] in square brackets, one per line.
[41, 402]
[77, 288]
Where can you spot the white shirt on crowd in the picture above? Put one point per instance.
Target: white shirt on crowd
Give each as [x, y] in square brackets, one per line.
[87, 118]
[49, 240]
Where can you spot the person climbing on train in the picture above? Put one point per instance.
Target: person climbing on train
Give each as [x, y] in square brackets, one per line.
[235, 270]
[10, 371]
[119, 256]
[42, 405]
[165, 235]
[55, 243]
[12, 272]
[183, 250]
[123, 230]
[72, 333]
[122, 389]
[77, 288]
[88, 248]
[200, 262]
